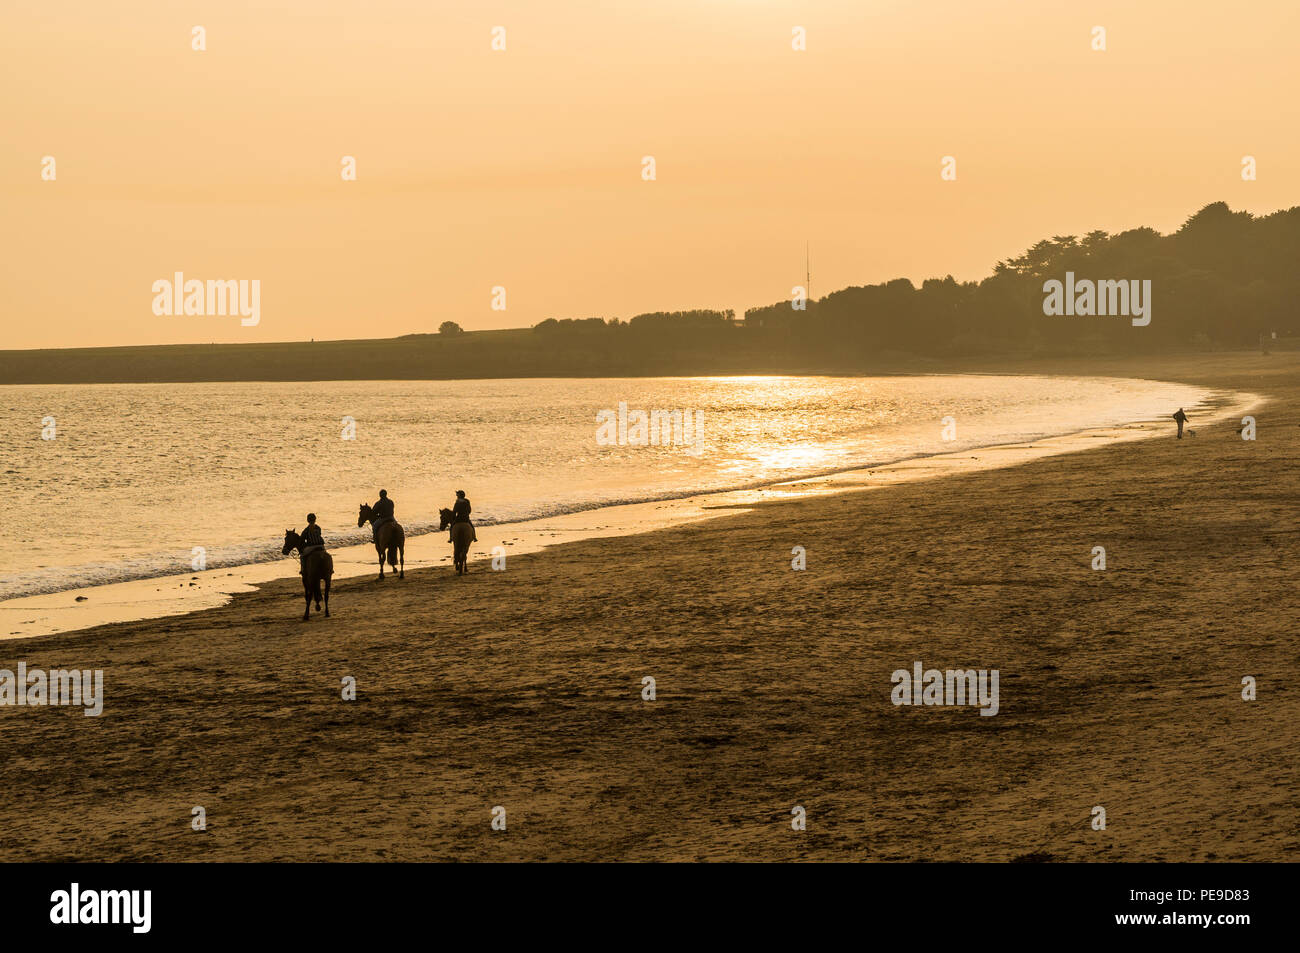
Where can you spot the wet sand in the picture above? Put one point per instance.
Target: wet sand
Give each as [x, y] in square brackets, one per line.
[523, 688]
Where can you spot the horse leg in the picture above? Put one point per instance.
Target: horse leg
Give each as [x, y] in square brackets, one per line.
[381, 564]
[315, 591]
[327, 597]
[306, 592]
[401, 561]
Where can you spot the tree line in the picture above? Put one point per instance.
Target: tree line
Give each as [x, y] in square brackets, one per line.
[1221, 280]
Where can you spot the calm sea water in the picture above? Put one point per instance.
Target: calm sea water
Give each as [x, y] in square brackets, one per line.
[137, 475]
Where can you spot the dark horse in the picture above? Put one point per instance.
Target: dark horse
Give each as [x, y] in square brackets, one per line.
[318, 567]
[390, 538]
[462, 534]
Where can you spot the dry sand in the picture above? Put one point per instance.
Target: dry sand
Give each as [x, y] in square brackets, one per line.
[522, 688]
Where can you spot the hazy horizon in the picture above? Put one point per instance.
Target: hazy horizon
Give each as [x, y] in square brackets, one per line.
[479, 168]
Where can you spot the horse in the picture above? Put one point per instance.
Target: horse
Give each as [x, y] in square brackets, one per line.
[390, 538]
[462, 534]
[317, 567]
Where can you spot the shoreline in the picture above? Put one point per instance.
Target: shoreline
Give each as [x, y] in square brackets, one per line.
[75, 610]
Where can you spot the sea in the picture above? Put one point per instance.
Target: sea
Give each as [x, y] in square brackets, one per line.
[114, 482]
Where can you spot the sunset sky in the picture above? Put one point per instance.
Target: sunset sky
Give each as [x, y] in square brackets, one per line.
[522, 168]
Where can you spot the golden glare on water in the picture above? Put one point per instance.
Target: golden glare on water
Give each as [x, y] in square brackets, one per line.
[798, 458]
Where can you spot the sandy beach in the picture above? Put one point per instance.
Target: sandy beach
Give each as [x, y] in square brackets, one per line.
[523, 688]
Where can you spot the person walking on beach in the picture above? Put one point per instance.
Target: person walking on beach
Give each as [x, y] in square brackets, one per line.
[1181, 418]
[311, 537]
[460, 511]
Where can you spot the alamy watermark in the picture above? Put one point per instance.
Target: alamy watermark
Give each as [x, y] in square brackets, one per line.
[75, 905]
[952, 687]
[1101, 298]
[194, 297]
[56, 687]
[655, 428]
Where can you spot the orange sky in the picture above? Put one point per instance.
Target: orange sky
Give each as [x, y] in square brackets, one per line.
[523, 168]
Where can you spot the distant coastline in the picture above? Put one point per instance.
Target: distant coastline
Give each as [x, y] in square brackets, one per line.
[472, 355]
[468, 355]
[503, 354]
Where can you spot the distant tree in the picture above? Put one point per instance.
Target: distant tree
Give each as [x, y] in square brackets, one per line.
[1095, 240]
[568, 325]
[679, 320]
[449, 328]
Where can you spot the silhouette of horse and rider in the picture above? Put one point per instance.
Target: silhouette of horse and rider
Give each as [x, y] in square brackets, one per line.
[461, 531]
[390, 538]
[316, 565]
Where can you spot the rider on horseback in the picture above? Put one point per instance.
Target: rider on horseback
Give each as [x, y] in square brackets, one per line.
[310, 539]
[387, 533]
[460, 511]
[382, 511]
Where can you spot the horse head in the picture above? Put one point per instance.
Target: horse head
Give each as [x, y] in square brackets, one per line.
[291, 542]
[364, 516]
[445, 516]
